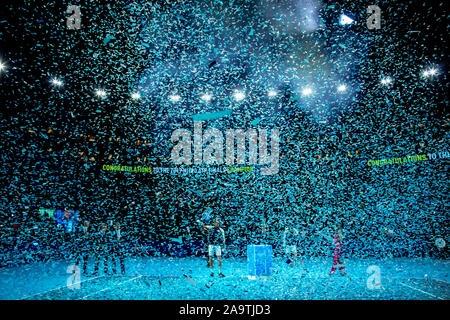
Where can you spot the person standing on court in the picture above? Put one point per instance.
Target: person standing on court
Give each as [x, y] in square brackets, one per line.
[111, 246]
[116, 248]
[101, 248]
[337, 260]
[216, 242]
[83, 245]
[290, 239]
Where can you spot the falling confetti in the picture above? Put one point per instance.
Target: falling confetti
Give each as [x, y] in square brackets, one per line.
[92, 94]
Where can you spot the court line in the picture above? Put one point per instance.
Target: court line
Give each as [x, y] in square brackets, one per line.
[441, 281]
[160, 277]
[58, 288]
[111, 287]
[430, 294]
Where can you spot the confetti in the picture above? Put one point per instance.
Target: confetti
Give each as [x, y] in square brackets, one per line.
[91, 96]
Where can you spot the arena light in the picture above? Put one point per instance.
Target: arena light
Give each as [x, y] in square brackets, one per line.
[307, 91]
[2, 66]
[206, 97]
[175, 97]
[429, 72]
[341, 88]
[238, 95]
[345, 20]
[272, 93]
[135, 96]
[100, 93]
[386, 81]
[56, 82]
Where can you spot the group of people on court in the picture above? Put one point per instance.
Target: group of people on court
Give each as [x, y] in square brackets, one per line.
[103, 245]
[290, 241]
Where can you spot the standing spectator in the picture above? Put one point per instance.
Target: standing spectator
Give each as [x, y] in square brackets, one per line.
[100, 248]
[83, 245]
[118, 249]
[113, 247]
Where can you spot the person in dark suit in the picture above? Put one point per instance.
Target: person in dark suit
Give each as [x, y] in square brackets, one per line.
[100, 242]
[83, 245]
[114, 246]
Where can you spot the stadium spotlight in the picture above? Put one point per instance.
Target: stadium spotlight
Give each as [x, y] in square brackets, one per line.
[135, 96]
[206, 97]
[307, 91]
[100, 93]
[272, 93]
[429, 72]
[174, 98]
[386, 81]
[56, 82]
[344, 20]
[341, 88]
[238, 95]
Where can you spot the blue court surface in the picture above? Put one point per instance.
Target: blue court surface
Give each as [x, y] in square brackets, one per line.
[189, 279]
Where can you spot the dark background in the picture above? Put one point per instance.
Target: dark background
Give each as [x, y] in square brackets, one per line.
[54, 142]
